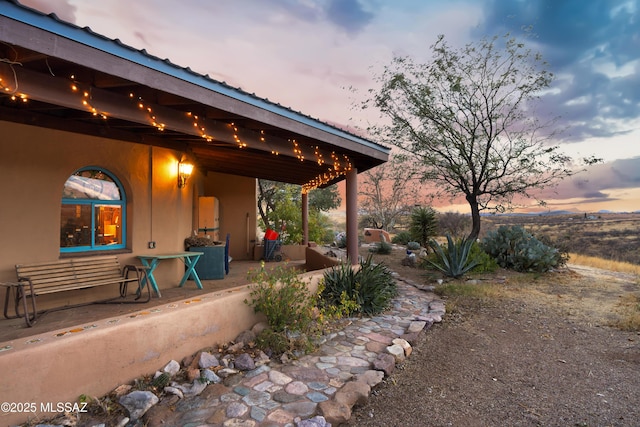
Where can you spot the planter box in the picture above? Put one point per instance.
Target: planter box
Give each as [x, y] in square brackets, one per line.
[210, 266]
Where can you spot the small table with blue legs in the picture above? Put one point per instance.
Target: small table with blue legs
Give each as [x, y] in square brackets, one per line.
[190, 260]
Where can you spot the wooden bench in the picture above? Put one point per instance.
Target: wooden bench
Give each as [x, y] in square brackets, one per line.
[70, 274]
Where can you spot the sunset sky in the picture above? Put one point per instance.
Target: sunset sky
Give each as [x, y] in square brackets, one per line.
[304, 54]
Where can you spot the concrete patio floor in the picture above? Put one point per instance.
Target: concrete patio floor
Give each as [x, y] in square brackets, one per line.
[78, 317]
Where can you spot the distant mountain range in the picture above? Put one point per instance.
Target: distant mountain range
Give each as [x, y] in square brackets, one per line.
[560, 212]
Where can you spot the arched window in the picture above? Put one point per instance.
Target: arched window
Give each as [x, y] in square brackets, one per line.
[93, 212]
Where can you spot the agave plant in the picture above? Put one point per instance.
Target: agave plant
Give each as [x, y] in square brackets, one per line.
[371, 287]
[454, 260]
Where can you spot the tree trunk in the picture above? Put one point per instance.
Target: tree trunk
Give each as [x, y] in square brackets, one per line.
[475, 216]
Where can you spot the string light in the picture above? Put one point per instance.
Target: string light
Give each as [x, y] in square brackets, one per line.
[297, 151]
[86, 101]
[318, 154]
[236, 138]
[340, 165]
[14, 95]
[23, 97]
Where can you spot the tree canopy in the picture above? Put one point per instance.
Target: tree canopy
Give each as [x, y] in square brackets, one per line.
[468, 120]
[387, 193]
[280, 208]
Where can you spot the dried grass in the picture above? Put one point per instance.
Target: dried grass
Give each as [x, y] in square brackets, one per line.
[604, 264]
[629, 311]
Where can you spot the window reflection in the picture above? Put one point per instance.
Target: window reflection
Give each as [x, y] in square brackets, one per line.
[75, 225]
[92, 212]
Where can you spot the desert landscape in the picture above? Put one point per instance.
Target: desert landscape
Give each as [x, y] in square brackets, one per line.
[611, 236]
[560, 348]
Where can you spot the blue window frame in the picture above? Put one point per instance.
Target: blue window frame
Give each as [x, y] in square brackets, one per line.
[93, 214]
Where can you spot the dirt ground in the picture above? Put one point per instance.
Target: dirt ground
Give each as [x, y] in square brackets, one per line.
[534, 351]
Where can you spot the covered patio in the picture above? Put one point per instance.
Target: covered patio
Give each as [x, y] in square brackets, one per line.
[57, 323]
[154, 116]
[72, 103]
[93, 348]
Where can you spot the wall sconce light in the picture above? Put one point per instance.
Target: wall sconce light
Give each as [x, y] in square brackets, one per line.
[184, 172]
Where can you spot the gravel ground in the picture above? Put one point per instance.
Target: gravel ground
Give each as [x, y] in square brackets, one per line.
[534, 355]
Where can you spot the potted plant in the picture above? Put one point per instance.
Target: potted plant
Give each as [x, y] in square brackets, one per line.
[210, 266]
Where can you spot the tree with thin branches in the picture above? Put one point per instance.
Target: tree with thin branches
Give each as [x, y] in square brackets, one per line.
[467, 119]
[387, 193]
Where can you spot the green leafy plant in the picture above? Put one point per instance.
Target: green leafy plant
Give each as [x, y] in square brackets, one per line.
[454, 259]
[282, 342]
[424, 225]
[402, 238]
[161, 381]
[513, 247]
[346, 307]
[561, 246]
[485, 263]
[368, 289]
[382, 248]
[283, 298]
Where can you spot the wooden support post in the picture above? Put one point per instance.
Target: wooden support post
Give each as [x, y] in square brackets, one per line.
[352, 216]
[305, 218]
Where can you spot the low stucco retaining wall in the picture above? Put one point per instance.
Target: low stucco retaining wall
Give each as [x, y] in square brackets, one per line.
[94, 359]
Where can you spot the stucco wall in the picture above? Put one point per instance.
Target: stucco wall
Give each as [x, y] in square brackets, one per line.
[238, 210]
[36, 162]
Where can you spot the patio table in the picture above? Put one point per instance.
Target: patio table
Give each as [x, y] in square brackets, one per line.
[190, 259]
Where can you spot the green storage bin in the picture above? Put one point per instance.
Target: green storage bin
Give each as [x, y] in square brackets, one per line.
[210, 266]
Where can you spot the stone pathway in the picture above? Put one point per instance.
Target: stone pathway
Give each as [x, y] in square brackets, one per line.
[319, 389]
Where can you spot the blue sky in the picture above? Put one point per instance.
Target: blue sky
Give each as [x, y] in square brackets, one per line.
[304, 54]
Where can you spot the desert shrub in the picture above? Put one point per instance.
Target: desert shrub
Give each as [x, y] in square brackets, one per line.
[328, 236]
[513, 247]
[485, 262]
[292, 343]
[382, 248]
[345, 306]
[454, 223]
[371, 287]
[454, 259]
[561, 245]
[402, 238]
[413, 246]
[423, 225]
[283, 298]
[628, 313]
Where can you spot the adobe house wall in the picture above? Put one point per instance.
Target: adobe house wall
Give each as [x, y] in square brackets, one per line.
[34, 165]
[238, 210]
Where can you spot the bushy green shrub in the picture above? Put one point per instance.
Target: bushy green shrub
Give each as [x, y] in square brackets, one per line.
[485, 262]
[345, 307]
[371, 287]
[402, 238]
[295, 344]
[413, 246]
[454, 259]
[382, 248]
[513, 247]
[283, 298]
